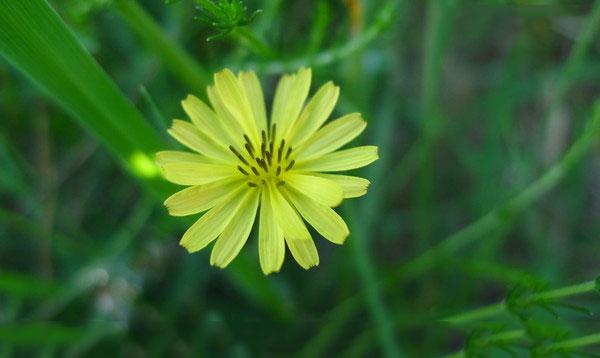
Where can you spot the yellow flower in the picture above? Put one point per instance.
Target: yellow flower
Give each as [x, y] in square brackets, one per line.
[245, 163]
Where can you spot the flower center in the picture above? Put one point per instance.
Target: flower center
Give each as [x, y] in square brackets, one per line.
[267, 163]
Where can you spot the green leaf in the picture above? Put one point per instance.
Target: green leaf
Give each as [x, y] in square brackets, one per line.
[22, 286]
[38, 333]
[35, 40]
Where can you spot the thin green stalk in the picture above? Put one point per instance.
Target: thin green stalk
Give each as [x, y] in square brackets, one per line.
[318, 31]
[177, 61]
[585, 287]
[382, 21]
[332, 325]
[510, 209]
[565, 346]
[502, 337]
[361, 230]
[477, 314]
[571, 344]
[570, 72]
[578, 54]
[545, 296]
[507, 336]
[439, 16]
[361, 344]
[252, 42]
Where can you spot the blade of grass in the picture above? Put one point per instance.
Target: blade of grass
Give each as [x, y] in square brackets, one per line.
[439, 21]
[513, 207]
[362, 229]
[570, 72]
[25, 286]
[382, 22]
[36, 41]
[177, 61]
[35, 334]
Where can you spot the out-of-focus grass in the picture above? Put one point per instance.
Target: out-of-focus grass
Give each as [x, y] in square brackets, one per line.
[473, 104]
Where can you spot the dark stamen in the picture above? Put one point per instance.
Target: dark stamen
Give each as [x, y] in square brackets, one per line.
[280, 183]
[263, 136]
[268, 156]
[249, 149]
[254, 185]
[290, 165]
[278, 170]
[238, 155]
[280, 151]
[254, 171]
[263, 148]
[271, 146]
[248, 141]
[242, 170]
[262, 164]
[273, 131]
[289, 151]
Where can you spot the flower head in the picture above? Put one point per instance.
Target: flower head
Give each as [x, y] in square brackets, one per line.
[245, 164]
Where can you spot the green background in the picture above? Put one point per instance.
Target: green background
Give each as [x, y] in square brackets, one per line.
[486, 194]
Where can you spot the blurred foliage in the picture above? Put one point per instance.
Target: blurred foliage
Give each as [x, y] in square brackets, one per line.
[224, 15]
[479, 235]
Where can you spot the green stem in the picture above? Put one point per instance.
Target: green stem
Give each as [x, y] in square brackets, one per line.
[252, 42]
[477, 314]
[497, 308]
[513, 207]
[439, 15]
[507, 336]
[359, 242]
[502, 337]
[559, 293]
[177, 61]
[570, 344]
[407, 166]
[579, 52]
[382, 21]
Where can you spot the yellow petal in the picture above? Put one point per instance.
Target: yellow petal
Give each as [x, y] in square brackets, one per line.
[287, 218]
[206, 120]
[174, 156]
[212, 224]
[332, 136]
[304, 252]
[352, 186]
[343, 160]
[271, 245]
[199, 198]
[193, 173]
[235, 100]
[228, 121]
[236, 233]
[324, 191]
[315, 113]
[326, 221]
[190, 136]
[254, 93]
[290, 95]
